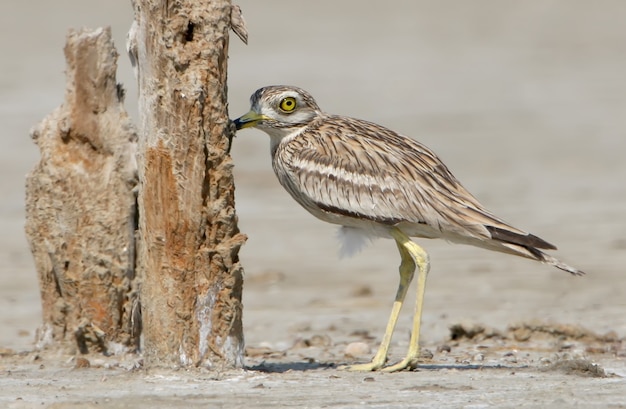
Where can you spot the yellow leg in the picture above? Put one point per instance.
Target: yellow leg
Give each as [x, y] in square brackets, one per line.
[411, 254]
[420, 258]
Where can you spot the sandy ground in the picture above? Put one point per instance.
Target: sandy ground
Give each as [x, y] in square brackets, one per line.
[524, 101]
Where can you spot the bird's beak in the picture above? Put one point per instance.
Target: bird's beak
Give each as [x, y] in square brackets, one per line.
[249, 120]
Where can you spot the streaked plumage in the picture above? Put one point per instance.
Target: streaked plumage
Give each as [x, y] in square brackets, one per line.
[364, 176]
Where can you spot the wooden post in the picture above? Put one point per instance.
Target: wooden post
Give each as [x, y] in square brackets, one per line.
[189, 240]
[81, 206]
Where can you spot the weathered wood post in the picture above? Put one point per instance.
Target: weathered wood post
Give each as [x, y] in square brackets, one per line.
[189, 240]
[81, 206]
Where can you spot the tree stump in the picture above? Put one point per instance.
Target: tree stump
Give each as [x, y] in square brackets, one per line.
[189, 240]
[81, 206]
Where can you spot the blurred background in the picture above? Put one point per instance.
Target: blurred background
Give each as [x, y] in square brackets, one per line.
[524, 101]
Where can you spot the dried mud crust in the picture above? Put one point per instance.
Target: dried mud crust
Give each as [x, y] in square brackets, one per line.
[544, 346]
[557, 364]
[532, 345]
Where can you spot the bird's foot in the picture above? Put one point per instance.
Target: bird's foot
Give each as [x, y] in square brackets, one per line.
[407, 364]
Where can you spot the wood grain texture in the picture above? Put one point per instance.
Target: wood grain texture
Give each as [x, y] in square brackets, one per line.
[189, 239]
[81, 206]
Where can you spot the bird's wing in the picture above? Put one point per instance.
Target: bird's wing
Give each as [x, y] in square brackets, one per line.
[360, 169]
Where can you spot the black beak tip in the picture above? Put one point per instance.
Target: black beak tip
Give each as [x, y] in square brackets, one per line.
[238, 124]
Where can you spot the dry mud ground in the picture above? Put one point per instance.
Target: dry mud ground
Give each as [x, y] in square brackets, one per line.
[525, 102]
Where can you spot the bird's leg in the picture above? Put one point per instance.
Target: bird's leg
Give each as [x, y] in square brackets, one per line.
[420, 258]
[407, 268]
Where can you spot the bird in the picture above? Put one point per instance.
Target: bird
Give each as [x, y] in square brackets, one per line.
[374, 182]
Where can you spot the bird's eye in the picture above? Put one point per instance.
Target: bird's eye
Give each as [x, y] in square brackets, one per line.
[288, 104]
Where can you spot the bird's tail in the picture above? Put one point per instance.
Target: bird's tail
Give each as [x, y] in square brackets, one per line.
[559, 264]
[529, 245]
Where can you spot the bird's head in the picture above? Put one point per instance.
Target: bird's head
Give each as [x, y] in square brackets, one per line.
[279, 110]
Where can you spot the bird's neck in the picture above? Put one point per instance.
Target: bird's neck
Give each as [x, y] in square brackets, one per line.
[281, 136]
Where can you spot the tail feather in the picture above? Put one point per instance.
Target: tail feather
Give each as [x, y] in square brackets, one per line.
[528, 245]
[526, 240]
[536, 254]
[560, 265]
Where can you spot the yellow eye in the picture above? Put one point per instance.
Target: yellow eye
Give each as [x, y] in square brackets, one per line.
[288, 104]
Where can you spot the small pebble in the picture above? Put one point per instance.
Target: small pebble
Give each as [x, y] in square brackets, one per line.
[81, 363]
[444, 348]
[98, 362]
[320, 341]
[356, 349]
